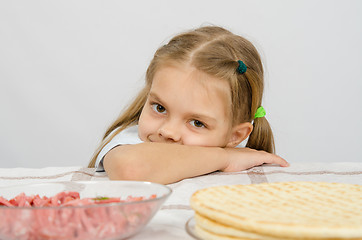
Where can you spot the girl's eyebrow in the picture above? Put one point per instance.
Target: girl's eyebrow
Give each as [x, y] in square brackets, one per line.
[155, 96]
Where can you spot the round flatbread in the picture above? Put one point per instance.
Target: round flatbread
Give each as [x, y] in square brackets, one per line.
[209, 229]
[295, 210]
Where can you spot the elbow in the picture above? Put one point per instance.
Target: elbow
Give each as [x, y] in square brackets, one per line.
[131, 172]
[119, 167]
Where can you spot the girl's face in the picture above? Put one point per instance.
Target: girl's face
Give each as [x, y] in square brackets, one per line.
[187, 106]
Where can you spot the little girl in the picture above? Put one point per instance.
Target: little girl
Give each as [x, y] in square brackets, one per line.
[202, 98]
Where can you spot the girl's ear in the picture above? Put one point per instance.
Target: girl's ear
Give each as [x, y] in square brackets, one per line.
[239, 133]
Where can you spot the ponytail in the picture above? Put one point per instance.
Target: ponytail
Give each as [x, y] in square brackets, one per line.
[261, 138]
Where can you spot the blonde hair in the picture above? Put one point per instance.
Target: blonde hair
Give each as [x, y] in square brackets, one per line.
[215, 51]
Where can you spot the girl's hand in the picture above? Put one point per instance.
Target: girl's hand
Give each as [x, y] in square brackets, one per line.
[243, 158]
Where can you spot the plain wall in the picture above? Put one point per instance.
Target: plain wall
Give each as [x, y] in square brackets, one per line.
[68, 68]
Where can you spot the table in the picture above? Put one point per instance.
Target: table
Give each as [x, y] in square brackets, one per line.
[169, 222]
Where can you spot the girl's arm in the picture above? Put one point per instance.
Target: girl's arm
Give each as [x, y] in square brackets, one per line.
[167, 163]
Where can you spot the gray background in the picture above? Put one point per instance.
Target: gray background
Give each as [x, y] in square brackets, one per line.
[68, 68]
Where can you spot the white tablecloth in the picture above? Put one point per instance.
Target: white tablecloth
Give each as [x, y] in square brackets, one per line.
[169, 222]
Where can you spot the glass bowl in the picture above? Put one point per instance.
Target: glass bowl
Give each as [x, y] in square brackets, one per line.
[116, 220]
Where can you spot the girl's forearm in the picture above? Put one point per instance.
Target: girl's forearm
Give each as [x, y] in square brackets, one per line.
[162, 162]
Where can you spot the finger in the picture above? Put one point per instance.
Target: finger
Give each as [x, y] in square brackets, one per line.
[277, 160]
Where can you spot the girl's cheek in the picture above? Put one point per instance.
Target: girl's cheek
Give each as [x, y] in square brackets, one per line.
[204, 140]
[146, 126]
[142, 130]
[141, 133]
[144, 133]
[195, 140]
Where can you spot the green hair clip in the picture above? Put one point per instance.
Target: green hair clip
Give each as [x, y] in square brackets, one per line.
[242, 67]
[260, 112]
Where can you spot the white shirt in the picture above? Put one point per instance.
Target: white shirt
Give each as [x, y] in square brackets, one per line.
[127, 136]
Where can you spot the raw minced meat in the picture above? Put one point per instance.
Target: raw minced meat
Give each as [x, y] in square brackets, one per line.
[63, 217]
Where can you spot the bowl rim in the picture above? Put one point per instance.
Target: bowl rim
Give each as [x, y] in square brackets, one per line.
[161, 198]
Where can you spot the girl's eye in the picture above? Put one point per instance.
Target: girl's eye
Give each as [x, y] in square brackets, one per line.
[158, 108]
[197, 123]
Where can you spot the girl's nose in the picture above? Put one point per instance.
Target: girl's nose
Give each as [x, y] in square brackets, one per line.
[170, 133]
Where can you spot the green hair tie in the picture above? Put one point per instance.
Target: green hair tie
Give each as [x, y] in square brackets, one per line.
[242, 67]
[260, 112]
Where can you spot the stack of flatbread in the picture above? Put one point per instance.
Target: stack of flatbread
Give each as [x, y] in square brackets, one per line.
[286, 210]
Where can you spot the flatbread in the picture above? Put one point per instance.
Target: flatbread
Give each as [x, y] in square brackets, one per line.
[205, 234]
[209, 229]
[294, 210]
